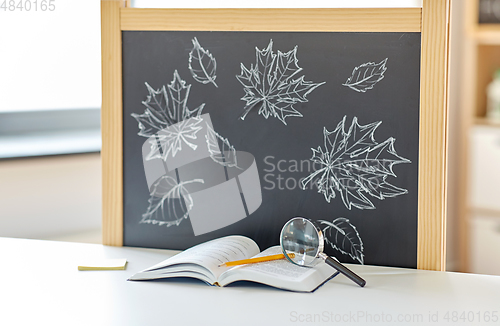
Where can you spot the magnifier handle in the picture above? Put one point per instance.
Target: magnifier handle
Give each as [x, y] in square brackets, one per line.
[344, 270]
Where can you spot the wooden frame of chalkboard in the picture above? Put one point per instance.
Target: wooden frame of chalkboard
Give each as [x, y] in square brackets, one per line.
[432, 21]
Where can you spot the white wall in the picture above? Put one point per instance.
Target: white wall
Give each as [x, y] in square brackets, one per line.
[49, 196]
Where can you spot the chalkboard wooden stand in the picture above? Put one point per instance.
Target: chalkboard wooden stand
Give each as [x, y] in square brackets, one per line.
[432, 21]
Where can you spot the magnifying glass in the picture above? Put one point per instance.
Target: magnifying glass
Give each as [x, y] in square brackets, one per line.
[304, 239]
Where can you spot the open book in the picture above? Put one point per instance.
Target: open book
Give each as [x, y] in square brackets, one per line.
[202, 262]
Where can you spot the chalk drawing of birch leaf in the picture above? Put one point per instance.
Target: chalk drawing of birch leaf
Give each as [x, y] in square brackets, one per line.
[354, 164]
[225, 156]
[169, 203]
[272, 85]
[341, 235]
[165, 106]
[202, 64]
[366, 76]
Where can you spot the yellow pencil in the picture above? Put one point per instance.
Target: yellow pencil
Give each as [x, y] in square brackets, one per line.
[255, 260]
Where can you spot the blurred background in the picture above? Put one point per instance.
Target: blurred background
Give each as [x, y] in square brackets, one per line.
[50, 97]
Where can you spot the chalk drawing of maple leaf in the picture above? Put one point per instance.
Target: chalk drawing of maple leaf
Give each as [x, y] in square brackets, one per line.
[167, 107]
[354, 164]
[272, 84]
[170, 140]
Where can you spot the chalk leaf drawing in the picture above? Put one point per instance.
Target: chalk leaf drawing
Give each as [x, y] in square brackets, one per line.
[354, 164]
[364, 77]
[272, 84]
[170, 140]
[341, 235]
[172, 206]
[166, 107]
[202, 64]
[225, 156]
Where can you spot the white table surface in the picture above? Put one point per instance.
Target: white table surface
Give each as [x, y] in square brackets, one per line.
[40, 285]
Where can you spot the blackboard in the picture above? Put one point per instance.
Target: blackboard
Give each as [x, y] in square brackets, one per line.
[281, 147]
[489, 11]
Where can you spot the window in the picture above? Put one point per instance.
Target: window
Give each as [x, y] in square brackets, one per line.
[50, 80]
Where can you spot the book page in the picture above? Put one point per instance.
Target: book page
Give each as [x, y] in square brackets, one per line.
[210, 255]
[280, 273]
[277, 268]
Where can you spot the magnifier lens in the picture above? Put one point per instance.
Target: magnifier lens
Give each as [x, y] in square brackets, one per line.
[302, 242]
[300, 238]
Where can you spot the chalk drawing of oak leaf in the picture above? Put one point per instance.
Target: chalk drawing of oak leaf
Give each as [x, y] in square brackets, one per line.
[272, 84]
[354, 164]
[165, 106]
